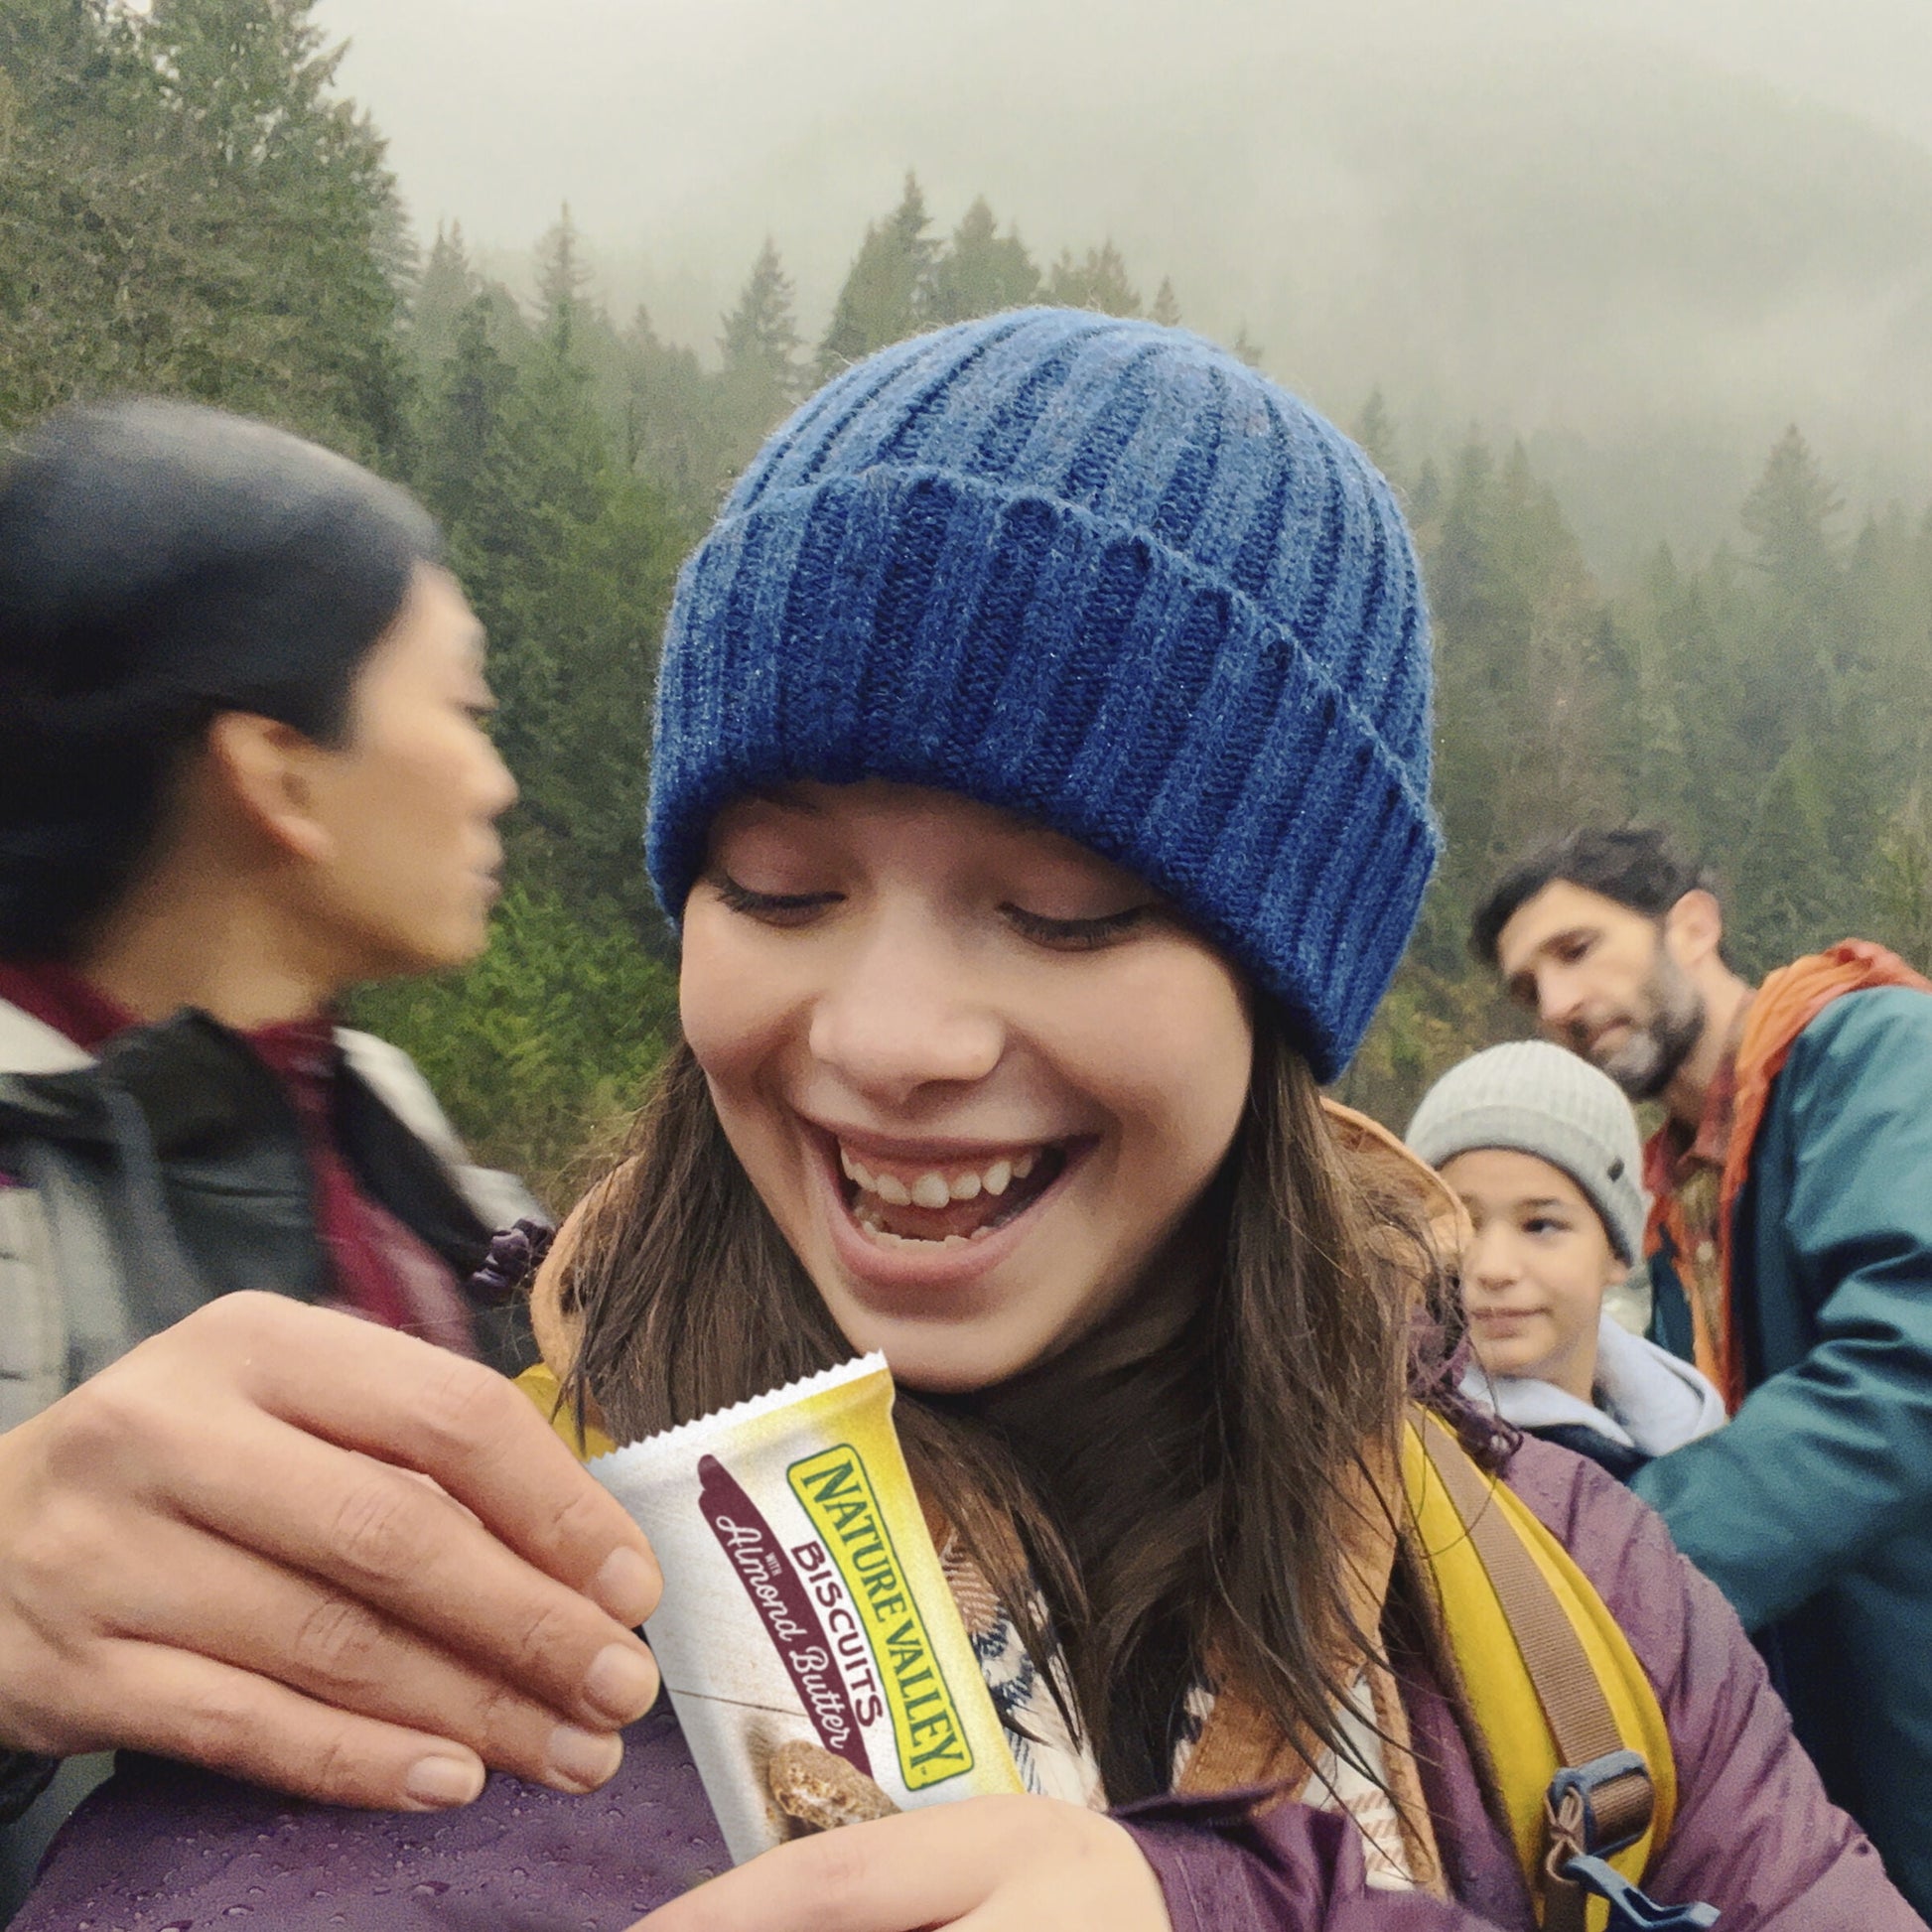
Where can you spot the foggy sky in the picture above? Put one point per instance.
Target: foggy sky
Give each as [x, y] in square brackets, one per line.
[1561, 217]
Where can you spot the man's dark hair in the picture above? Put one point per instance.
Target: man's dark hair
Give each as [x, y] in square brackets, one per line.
[160, 564]
[1634, 865]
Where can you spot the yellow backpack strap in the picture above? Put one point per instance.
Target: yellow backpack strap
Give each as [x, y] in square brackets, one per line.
[1572, 1722]
[543, 1388]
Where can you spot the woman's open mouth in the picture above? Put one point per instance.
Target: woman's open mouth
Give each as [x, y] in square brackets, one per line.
[943, 1204]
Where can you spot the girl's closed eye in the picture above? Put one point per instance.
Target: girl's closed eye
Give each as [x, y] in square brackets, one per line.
[774, 909]
[1077, 934]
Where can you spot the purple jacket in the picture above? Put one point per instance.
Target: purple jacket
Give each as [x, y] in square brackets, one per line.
[161, 1849]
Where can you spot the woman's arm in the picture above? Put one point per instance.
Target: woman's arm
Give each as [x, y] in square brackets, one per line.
[223, 1549]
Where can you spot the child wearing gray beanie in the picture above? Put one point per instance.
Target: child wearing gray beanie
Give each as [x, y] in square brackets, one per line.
[1542, 1148]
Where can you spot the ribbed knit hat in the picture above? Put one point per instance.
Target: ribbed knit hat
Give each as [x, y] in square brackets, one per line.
[1104, 576]
[1534, 1098]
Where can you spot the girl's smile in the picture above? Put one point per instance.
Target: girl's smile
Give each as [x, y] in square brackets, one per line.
[978, 1075]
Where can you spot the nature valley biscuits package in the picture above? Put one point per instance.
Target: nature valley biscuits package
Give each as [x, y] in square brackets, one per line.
[806, 1634]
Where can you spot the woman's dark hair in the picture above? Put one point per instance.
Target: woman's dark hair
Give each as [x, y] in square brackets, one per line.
[1634, 865]
[162, 563]
[1185, 1484]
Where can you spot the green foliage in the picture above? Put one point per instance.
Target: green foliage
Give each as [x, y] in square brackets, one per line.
[761, 375]
[539, 1048]
[981, 271]
[1773, 709]
[884, 297]
[1097, 282]
[190, 211]
[190, 208]
[569, 556]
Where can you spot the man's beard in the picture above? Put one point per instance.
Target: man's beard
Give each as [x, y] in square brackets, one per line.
[1645, 1061]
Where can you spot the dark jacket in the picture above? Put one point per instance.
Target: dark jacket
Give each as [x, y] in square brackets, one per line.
[1812, 1511]
[139, 1185]
[1754, 1835]
[170, 1169]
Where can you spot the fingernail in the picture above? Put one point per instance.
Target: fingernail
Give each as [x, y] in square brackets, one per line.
[437, 1783]
[619, 1683]
[581, 1760]
[627, 1587]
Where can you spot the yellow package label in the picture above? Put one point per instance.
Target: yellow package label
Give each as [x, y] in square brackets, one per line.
[804, 1605]
[838, 1497]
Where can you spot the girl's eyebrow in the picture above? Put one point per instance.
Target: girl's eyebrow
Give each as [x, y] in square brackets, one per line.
[785, 799]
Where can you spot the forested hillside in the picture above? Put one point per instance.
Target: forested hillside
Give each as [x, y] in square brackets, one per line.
[189, 208]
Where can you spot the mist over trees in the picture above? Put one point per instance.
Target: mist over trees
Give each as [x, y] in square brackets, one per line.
[191, 209]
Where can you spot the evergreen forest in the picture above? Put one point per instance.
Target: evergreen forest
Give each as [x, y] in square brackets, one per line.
[189, 206]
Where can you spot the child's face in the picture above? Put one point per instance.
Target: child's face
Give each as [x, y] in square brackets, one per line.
[1536, 1267]
[976, 1073]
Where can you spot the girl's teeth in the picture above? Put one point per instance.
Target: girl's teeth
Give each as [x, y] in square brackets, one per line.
[932, 1189]
[887, 1239]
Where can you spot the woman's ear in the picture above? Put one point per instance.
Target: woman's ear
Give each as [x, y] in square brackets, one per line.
[267, 770]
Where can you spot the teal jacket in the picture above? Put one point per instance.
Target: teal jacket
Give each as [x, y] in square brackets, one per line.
[1812, 1510]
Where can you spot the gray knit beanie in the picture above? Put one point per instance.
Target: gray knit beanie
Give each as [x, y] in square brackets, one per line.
[1534, 1098]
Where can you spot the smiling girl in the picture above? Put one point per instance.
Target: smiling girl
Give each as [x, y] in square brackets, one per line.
[1040, 789]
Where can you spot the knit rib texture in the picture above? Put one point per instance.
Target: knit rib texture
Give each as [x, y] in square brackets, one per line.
[1532, 1097]
[1104, 576]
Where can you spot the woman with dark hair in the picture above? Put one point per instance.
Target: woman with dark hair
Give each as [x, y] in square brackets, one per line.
[242, 769]
[1041, 785]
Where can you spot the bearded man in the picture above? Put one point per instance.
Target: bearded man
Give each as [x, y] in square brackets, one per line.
[1790, 1253]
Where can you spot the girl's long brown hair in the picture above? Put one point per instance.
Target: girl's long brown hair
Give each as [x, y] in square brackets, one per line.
[1183, 1482]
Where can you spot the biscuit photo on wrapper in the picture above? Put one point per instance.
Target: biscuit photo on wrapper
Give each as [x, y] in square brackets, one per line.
[820, 1791]
[806, 1634]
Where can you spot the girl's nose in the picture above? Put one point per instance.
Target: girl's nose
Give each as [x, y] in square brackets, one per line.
[905, 1014]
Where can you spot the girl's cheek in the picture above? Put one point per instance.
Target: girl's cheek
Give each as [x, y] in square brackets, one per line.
[722, 1001]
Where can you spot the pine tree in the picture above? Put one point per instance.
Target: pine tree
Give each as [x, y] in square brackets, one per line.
[1246, 348]
[1790, 512]
[981, 270]
[761, 379]
[447, 286]
[1167, 306]
[761, 341]
[1375, 432]
[675, 431]
[564, 277]
[191, 210]
[887, 291]
[1100, 281]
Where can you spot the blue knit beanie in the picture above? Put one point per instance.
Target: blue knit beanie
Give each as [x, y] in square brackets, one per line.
[1104, 576]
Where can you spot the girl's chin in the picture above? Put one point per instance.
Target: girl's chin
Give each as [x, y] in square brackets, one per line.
[951, 1357]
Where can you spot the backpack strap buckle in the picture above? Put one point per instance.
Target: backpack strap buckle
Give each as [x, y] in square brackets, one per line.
[1601, 1807]
[1595, 1810]
[1630, 1910]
